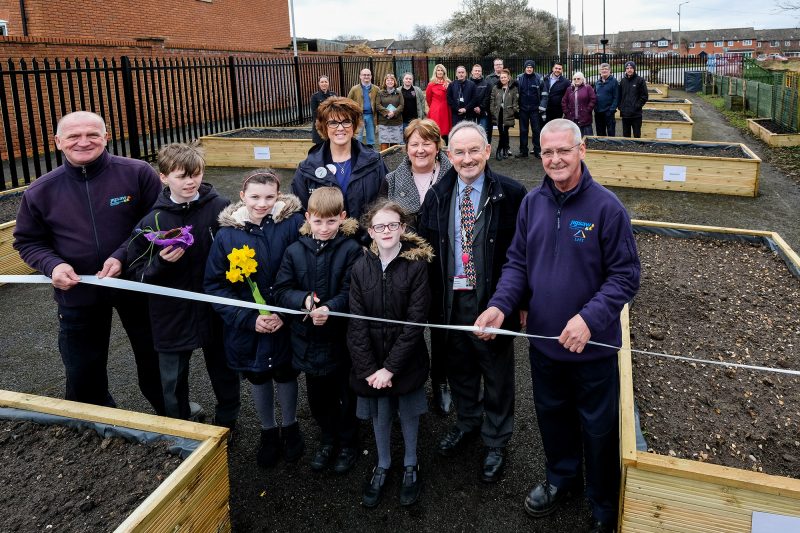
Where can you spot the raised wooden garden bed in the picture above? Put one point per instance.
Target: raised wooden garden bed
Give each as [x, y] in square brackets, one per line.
[257, 147]
[193, 498]
[654, 93]
[10, 261]
[784, 138]
[666, 124]
[662, 87]
[669, 103]
[665, 493]
[690, 166]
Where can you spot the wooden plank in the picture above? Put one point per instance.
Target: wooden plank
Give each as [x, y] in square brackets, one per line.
[663, 87]
[239, 152]
[773, 139]
[9, 192]
[706, 229]
[10, 261]
[626, 420]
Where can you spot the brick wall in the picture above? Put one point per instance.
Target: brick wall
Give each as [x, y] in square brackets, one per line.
[258, 25]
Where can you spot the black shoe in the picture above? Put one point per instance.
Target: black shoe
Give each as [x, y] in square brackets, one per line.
[523, 154]
[543, 499]
[442, 400]
[507, 153]
[493, 464]
[537, 155]
[499, 154]
[322, 458]
[373, 489]
[292, 443]
[599, 526]
[232, 433]
[270, 449]
[345, 460]
[453, 441]
[411, 487]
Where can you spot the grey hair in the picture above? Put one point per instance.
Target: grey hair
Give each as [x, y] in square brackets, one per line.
[80, 114]
[469, 125]
[557, 126]
[605, 65]
[579, 74]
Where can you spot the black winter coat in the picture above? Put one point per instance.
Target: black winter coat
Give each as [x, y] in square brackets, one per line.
[316, 99]
[483, 95]
[466, 91]
[246, 350]
[632, 96]
[551, 95]
[178, 324]
[401, 292]
[529, 91]
[505, 196]
[322, 267]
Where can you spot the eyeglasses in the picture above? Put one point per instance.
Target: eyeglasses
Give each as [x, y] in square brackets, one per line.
[334, 124]
[393, 226]
[473, 153]
[562, 152]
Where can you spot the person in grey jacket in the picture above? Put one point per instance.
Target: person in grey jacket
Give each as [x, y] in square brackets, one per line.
[607, 90]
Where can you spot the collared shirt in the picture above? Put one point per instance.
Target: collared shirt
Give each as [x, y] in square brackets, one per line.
[475, 196]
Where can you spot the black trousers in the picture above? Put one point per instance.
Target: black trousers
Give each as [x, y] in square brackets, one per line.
[577, 407]
[470, 361]
[606, 123]
[529, 117]
[333, 406]
[83, 336]
[553, 113]
[634, 124]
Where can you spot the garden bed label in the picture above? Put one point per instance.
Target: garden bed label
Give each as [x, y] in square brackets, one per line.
[663, 133]
[774, 523]
[261, 152]
[674, 173]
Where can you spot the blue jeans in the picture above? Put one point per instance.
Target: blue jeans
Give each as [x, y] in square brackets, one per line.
[83, 337]
[486, 124]
[369, 128]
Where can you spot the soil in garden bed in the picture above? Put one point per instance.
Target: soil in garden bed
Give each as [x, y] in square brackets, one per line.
[663, 115]
[726, 301]
[9, 205]
[732, 151]
[774, 127]
[267, 133]
[668, 101]
[63, 479]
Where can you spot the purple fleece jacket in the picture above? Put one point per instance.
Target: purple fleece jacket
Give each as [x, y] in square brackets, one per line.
[577, 258]
[82, 216]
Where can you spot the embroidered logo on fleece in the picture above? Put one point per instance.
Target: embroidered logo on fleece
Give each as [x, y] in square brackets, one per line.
[580, 229]
[120, 200]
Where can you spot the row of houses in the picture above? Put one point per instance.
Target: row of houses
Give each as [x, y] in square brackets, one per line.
[747, 41]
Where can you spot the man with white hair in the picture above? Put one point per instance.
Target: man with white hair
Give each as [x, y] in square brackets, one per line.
[75, 221]
[572, 265]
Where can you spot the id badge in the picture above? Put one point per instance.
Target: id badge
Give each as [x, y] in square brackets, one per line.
[461, 283]
[461, 99]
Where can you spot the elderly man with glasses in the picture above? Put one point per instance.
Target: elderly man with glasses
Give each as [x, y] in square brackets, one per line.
[573, 265]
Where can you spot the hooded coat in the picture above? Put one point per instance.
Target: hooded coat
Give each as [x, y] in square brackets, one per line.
[322, 268]
[401, 292]
[178, 324]
[506, 101]
[246, 350]
[632, 96]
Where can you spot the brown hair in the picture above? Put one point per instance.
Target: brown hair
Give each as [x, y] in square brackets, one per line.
[181, 156]
[427, 129]
[263, 177]
[326, 202]
[344, 108]
[389, 75]
[384, 204]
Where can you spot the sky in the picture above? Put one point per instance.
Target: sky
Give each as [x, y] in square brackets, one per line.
[380, 20]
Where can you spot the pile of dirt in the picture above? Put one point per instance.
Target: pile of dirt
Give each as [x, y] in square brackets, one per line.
[63, 479]
[663, 115]
[724, 301]
[616, 144]
[9, 205]
[267, 133]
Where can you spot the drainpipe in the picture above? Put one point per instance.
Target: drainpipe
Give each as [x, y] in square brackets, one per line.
[24, 18]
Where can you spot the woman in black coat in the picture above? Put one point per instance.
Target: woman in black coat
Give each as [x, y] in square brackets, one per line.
[317, 98]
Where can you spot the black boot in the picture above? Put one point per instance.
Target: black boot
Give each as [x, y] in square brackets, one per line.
[507, 154]
[499, 154]
[292, 443]
[270, 449]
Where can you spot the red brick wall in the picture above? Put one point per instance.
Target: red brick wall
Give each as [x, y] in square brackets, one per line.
[253, 24]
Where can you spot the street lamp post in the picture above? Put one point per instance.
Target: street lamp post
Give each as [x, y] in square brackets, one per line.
[679, 25]
[604, 41]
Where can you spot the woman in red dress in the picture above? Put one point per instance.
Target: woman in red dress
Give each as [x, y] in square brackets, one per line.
[436, 95]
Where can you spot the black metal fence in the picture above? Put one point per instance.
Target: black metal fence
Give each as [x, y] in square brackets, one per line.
[150, 102]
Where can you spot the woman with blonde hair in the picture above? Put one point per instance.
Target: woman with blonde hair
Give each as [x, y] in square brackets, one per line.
[390, 113]
[436, 96]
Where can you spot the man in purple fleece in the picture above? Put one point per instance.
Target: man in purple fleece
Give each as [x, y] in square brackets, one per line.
[75, 221]
[575, 255]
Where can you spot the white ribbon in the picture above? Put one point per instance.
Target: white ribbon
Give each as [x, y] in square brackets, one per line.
[116, 283]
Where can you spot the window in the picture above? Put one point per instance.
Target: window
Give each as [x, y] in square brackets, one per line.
[787, 43]
[730, 43]
[759, 44]
[674, 46]
[3, 27]
[647, 44]
[637, 44]
[702, 45]
[748, 42]
[717, 43]
[774, 44]
[663, 42]
[692, 45]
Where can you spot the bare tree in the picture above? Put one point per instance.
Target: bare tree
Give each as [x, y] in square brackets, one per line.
[347, 37]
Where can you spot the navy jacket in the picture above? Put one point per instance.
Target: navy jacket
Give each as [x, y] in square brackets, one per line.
[468, 91]
[246, 350]
[322, 267]
[82, 216]
[529, 91]
[578, 257]
[632, 96]
[607, 95]
[505, 196]
[483, 95]
[178, 324]
[552, 93]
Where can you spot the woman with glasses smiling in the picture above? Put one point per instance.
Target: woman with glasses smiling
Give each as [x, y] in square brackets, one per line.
[578, 103]
[340, 160]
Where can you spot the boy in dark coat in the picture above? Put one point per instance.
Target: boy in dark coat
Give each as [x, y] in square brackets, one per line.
[632, 98]
[180, 326]
[315, 276]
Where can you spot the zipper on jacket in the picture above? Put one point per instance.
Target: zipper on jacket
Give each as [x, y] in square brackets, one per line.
[383, 324]
[558, 228]
[91, 214]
